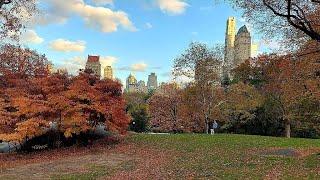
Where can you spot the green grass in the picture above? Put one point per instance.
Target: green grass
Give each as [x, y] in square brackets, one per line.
[94, 172]
[222, 156]
[234, 156]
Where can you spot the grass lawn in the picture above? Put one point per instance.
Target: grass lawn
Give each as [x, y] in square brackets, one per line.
[237, 156]
[184, 156]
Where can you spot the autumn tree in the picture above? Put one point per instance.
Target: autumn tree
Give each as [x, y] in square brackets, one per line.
[89, 101]
[76, 104]
[202, 65]
[283, 17]
[21, 63]
[25, 113]
[249, 72]
[241, 101]
[164, 109]
[290, 79]
[200, 106]
[22, 100]
[14, 15]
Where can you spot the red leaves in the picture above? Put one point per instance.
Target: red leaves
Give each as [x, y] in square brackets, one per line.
[76, 104]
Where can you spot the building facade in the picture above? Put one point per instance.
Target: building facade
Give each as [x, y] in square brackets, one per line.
[237, 47]
[131, 83]
[152, 81]
[141, 87]
[108, 72]
[133, 86]
[229, 44]
[242, 46]
[93, 64]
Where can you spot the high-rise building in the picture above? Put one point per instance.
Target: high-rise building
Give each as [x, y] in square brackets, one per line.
[229, 43]
[141, 87]
[108, 72]
[93, 64]
[242, 46]
[152, 81]
[131, 83]
[237, 47]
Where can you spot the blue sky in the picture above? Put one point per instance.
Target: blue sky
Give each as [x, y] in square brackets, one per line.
[138, 36]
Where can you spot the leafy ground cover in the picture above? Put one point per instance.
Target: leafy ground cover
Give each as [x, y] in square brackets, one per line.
[184, 156]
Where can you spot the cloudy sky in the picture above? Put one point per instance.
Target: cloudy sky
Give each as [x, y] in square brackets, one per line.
[138, 36]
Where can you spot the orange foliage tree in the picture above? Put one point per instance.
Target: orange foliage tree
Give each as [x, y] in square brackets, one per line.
[76, 104]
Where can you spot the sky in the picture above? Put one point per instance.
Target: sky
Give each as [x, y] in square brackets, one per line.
[133, 36]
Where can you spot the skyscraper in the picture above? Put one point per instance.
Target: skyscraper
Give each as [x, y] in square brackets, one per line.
[242, 46]
[152, 81]
[229, 43]
[108, 72]
[93, 64]
[237, 47]
[131, 83]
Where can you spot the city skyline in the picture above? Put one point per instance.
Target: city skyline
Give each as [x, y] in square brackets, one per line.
[144, 39]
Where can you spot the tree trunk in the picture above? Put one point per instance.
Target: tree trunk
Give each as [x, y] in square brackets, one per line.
[287, 129]
[206, 125]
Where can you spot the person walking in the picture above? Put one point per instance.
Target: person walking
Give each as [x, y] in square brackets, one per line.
[214, 126]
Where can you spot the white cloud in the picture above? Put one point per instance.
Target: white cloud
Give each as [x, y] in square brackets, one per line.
[63, 45]
[172, 7]
[148, 25]
[107, 61]
[73, 64]
[102, 2]
[139, 67]
[97, 17]
[30, 36]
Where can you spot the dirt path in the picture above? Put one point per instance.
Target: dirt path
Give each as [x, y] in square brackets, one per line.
[65, 166]
[124, 161]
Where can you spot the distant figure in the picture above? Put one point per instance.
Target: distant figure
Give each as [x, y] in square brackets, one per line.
[214, 126]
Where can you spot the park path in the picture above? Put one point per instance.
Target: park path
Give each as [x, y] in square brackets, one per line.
[62, 166]
[122, 161]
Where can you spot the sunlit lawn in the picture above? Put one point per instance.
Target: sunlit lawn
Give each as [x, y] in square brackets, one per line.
[182, 156]
[237, 156]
